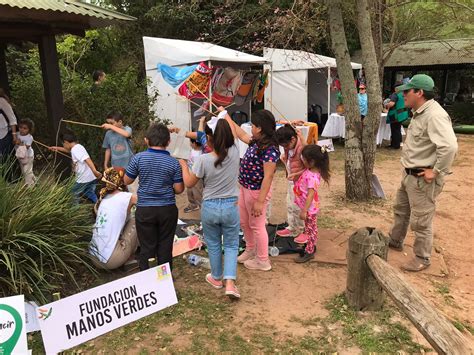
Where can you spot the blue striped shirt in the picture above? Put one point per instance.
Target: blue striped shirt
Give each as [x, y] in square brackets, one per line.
[157, 172]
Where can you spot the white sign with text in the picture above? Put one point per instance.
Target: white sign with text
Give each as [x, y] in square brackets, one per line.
[86, 315]
[12, 325]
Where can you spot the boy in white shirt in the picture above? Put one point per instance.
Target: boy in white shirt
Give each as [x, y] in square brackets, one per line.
[24, 152]
[84, 168]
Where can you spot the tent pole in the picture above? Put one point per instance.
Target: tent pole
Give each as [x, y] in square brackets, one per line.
[210, 86]
[329, 91]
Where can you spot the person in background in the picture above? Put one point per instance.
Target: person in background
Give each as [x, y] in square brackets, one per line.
[114, 238]
[160, 178]
[195, 192]
[220, 213]
[363, 103]
[397, 113]
[316, 163]
[98, 76]
[8, 127]
[117, 144]
[427, 156]
[85, 172]
[24, 151]
[292, 144]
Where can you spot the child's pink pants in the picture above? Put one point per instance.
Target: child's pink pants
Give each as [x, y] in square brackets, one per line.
[255, 232]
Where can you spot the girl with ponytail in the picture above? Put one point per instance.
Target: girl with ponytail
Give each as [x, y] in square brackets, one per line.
[219, 212]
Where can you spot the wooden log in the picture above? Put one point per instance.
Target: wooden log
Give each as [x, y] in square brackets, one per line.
[363, 292]
[435, 327]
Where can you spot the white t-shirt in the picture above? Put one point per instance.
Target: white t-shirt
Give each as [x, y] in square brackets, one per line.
[111, 218]
[10, 120]
[193, 156]
[83, 172]
[27, 141]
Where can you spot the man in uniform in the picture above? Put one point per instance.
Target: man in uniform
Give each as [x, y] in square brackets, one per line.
[427, 155]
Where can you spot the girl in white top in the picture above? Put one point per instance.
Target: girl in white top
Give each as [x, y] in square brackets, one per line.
[114, 239]
[8, 123]
[24, 152]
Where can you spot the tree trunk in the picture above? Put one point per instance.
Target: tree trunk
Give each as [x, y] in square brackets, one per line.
[374, 92]
[358, 187]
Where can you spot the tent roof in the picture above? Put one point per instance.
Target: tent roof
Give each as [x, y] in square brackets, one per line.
[179, 52]
[286, 60]
[28, 20]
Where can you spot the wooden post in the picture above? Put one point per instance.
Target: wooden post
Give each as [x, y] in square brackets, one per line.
[4, 84]
[363, 291]
[437, 329]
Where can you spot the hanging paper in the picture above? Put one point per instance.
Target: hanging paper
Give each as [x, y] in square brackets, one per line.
[262, 86]
[225, 84]
[197, 84]
[175, 76]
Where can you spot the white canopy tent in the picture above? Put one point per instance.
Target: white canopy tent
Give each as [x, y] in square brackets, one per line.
[298, 79]
[179, 53]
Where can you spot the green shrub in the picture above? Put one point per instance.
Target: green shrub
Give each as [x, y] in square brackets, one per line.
[43, 238]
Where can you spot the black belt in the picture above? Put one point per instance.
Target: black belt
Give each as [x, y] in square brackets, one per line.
[415, 171]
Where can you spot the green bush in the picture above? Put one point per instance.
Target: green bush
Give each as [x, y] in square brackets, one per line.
[462, 113]
[43, 238]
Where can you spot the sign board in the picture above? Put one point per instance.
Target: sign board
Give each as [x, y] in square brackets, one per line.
[12, 326]
[86, 315]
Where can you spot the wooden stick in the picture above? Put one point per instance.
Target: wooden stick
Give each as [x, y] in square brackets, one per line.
[217, 112]
[56, 151]
[82, 123]
[286, 119]
[194, 103]
[194, 86]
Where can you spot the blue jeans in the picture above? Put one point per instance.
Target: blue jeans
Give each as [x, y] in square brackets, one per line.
[86, 189]
[221, 223]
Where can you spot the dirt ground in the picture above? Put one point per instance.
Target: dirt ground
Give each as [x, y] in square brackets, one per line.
[291, 290]
[295, 308]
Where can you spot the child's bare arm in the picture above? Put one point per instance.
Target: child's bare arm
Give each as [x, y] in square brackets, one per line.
[118, 130]
[295, 175]
[178, 188]
[202, 122]
[106, 158]
[268, 172]
[190, 180]
[91, 165]
[59, 149]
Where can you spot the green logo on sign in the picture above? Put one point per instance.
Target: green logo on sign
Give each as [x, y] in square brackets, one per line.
[44, 313]
[8, 346]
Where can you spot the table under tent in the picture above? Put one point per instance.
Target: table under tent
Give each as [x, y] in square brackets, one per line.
[221, 73]
[298, 80]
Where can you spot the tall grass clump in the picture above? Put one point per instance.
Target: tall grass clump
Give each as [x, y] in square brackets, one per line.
[43, 238]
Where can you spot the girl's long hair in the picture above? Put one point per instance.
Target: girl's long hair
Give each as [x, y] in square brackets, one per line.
[5, 96]
[318, 158]
[264, 120]
[220, 140]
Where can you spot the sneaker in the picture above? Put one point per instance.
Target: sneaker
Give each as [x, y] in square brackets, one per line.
[392, 244]
[246, 255]
[284, 233]
[304, 258]
[232, 292]
[301, 238]
[257, 264]
[416, 264]
[217, 284]
[191, 208]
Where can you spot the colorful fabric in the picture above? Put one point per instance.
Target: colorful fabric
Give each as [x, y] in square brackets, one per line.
[225, 84]
[262, 86]
[175, 76]
[308, 180]
[311, 230]
[251, 168]
[196, 83]
[312, 133]
[202, 139]
[245, 92]
[363, 105]
[113, 178]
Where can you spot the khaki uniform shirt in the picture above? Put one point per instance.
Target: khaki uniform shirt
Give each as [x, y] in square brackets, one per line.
[430, 141]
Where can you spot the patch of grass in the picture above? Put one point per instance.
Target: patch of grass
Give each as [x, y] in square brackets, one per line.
[463, 326]
[443, 290]
[329, 222]
[374, 332]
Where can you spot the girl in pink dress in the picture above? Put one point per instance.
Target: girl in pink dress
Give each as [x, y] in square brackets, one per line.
[316, 162]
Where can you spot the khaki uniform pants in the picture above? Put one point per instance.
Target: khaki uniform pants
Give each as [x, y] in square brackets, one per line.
[195, 194]
[415, 205]
[124, 249]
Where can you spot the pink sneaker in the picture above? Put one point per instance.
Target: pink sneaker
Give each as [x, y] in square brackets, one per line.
[232, 292]
[257, 264]
[217, 284]
[284, 233]
[301, 238]
[246, 255]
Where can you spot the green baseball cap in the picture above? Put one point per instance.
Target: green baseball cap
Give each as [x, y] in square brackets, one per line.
[418, 81]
